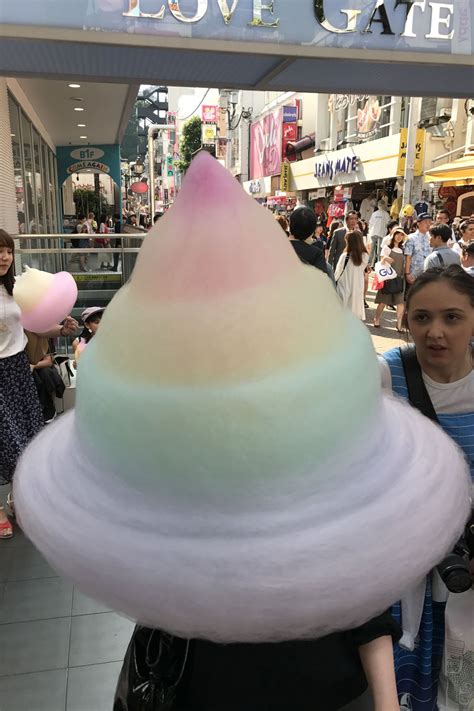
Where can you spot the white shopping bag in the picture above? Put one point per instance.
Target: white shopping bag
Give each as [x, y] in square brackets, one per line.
[385, 272]
[456, 683]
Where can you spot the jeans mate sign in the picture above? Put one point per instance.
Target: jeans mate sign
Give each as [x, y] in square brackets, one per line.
[330, 168]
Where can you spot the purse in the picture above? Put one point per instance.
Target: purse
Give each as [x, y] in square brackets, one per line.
[153, 667]
[393, 286]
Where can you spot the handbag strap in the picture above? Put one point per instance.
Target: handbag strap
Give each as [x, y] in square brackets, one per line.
[417, 392]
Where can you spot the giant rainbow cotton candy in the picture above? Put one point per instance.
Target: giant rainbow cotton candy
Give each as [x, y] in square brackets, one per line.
[232, 470]
[44, 299]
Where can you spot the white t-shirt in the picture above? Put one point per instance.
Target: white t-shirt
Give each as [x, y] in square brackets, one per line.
[13, 339]
[378, 223]
[448, 398]
[386, 250]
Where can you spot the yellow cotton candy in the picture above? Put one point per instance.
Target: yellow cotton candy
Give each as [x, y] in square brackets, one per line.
[31, 287]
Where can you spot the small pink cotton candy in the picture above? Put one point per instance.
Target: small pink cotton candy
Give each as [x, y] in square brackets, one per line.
[55, 305]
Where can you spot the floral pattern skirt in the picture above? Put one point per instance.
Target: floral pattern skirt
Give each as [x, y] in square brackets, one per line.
[20, 412]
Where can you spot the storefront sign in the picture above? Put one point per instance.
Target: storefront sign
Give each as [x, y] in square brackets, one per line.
[317, 194]
[103, 159]
[209, 134]
[266, 145]
[400, 25]
[419, 155]
[330, 168]
[290, 134]
[285, 177]
[290, 114]
[368, 119]
[210, 114]
[340, 102]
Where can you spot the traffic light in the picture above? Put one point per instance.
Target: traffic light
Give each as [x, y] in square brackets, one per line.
[169, 166]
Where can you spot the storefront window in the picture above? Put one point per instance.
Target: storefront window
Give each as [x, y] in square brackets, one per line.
[35, 176]
[39, 182]
[30, 193]
[17, 164]
[46, 184]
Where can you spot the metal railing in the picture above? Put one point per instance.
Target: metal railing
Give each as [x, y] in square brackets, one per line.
[96, 283]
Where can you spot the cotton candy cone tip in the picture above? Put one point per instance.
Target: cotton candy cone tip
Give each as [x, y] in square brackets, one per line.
[44, 298]
[220, 355]
[214, 241]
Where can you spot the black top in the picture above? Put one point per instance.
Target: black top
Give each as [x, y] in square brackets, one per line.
[315, 675]
[310, 254]
[338, 245]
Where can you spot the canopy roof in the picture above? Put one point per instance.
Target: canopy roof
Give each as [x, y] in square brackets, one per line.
[460, 171]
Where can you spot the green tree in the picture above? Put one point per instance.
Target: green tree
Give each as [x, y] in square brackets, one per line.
[190, 142]
[87, 200]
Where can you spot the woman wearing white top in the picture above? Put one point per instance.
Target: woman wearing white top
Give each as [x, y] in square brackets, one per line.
[393, 254]
[20, 411]
[350, 271]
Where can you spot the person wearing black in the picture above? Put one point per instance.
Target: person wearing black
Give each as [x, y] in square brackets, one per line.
[303, 223]
[338, 241]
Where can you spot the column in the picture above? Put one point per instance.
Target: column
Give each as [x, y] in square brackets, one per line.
[8, 213]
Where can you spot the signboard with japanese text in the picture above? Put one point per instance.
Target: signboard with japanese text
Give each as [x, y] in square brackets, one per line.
[209, 134]
[419, 155]
[89, 159]
[290, 114]
[285, 177]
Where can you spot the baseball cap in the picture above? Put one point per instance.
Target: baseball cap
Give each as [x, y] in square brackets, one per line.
[424, 216]
[90, 311]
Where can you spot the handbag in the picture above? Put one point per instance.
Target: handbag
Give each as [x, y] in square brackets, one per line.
[393, 286]
[153, 667]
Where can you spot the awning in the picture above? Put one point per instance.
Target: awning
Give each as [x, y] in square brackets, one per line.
[461, 171]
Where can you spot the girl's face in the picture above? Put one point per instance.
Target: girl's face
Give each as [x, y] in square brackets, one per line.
[441, 322]
[6, 259]
[399, 237]
[93, 325]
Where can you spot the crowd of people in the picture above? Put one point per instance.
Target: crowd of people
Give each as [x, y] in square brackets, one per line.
[349, 251]
[100, 234]
[434, 302]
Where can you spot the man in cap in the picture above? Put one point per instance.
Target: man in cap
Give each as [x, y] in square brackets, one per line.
[417, 249]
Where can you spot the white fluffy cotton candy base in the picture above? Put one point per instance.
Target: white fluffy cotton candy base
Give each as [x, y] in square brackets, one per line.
[337, 549]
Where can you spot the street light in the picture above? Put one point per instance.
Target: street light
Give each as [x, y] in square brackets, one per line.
[139, 166]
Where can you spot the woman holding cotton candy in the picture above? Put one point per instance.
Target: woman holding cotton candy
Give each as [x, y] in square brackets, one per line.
[20, 411]
[350, 273]
[440, 318]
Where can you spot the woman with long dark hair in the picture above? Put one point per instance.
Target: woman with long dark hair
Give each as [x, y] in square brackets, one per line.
[20, 410]
[350, 272]
[392, 253]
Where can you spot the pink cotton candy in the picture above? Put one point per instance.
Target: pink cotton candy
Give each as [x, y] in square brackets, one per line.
[54, 306]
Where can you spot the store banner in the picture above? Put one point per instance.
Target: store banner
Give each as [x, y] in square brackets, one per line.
[290, 135]
[89, 159]
[210, 114]
[266, 145]
[285, 177]
[419, 155]
[209, 134]
[290, 114]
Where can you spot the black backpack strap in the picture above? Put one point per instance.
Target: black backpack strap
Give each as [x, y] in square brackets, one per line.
[440, 258]
[417, 392]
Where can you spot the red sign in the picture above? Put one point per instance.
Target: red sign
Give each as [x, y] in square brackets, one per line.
[290, 134]
[210, 114]
[266, 145]
[140, 188]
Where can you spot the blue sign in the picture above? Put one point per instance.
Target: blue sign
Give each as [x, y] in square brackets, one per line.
[395, 25]
[290, 114]
[329, 169]
[103, 159]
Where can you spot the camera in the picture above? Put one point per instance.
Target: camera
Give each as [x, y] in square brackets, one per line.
[454, 569]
